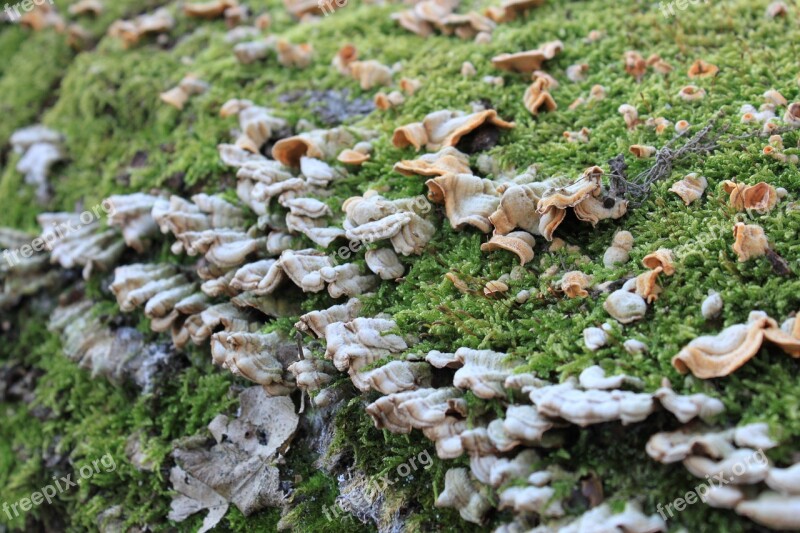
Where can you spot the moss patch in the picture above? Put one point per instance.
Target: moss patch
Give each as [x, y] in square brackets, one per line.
[121, 138]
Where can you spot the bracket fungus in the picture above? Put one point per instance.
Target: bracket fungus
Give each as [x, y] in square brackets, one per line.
[261, 358]
[594, 377]
[468, 70]
[305, 216]
[586, 407]
[532, 499]
[252, 51]
[537, 96]
[461, 493]
[347, 280]
[40, 148]
[471, 25]
[646, 285]
[594, 339]
[577, 72]
[604, 518]
[570, 195]
[318, 173]
[702, 69]
[209, 10]
[312, 374]
[585, 196]
[302, 8]
[596, 94]
[792, 115]
[372, 218]
[691, 93]
[425, 409]
[518, 242]
[580, 136]
[429, 15]
[523, 425]
[629, 114]
[312, 270]
[510, 9]
[370, 74]
[720, 355]
[736, 456]
[395, 376]
[135, 284]
[657, 63]
[86, 7]
[528, 61]
[711, 306]
[761, 197]
[635, 64]
[448, 160]
[257, 123]
[385, 263]
[749, 241]
[484, 372]
[294, 55]
[131, 31]
[773, 510]
[24, 277]
[619, 251]
[224, 248]
[132, 213]
[445, 128]
[344, 58]
[421, 18]
[552, 198]
[625, 306]
[88, 246]
[518, 209]
[661, 258]
[260, 181]
[574, 284]
[409, 85]
[634, 346]
[642, 152]
[690, 188]
[660, 124]
[358, 343]
[384, 101]
[201, 326]
[671, 447]
[467, 199]
[317, 321]
[179, 216]
[353, 157]
[318, 144]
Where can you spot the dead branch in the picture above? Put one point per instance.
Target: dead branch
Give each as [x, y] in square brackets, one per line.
[705, 141]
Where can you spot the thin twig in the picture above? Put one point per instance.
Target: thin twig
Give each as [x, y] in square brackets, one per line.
[637, 189]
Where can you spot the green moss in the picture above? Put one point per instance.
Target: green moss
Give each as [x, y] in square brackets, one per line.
[120, 138]
[29, 79]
